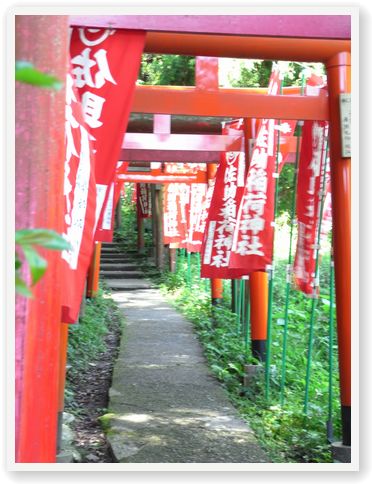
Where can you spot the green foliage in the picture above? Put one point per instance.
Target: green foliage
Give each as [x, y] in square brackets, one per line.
[285, 190]
[86, 339]
[167, 70]
[257, 76]
[27, 239]
[127, 232]
[49, 239]
[26, 72]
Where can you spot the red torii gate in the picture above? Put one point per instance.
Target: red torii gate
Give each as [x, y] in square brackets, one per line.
[303, 38]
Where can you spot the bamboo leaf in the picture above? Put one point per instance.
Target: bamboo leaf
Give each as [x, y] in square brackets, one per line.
[43, 237]
[38, 264]
[27, 73]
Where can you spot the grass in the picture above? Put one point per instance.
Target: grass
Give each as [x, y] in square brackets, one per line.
[86, 340]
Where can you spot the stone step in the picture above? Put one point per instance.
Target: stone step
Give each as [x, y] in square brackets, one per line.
[127, 284]
[117, 258]
[117, 266]
[121, 274]
[110, 244]
[110, 252]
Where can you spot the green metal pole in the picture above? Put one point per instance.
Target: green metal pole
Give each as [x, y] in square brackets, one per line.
[289, 264]
[238, 308]
[289, 272]
[242, 305]
[198, 267]
[315, 298]
[189, 278]
[271, 282]
[330, 353]
[247, 319]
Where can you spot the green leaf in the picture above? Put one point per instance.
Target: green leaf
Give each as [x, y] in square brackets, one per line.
[38, 264]
[27, 73]
[43, 237]
[18, 262]
[21, 287]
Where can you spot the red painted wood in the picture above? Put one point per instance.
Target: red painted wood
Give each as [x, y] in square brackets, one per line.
[141, 178]
[206, 73]
[227, 103]
[280, 48]
[339, 79]
[40, 116]
[184, 142]
[311, 26]
[171, 156]
[162, 123]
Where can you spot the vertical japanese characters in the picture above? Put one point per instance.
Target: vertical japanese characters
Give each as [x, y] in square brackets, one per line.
[105, 66]
[252, 246]
[80, 204]
[310, 190]
[221, 221]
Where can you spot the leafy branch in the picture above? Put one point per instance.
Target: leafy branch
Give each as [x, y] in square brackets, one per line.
[26, 240]
[26, 72]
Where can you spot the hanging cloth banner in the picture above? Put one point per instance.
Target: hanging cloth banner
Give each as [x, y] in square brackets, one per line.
[221, 222]
[252, 247]
[195, 234]
[80, 205]
[175, 218]
[309, 196]
[105, 68]
[143, 200]
[201, 221]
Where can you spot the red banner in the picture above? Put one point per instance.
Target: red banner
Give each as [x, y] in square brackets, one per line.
[309, 195]
[182, 206]
[221, 222]
[196, 225]
[80, 208]
[143, 200]
[176, 207]
[201, 222]
[252, 246]
[105, 67]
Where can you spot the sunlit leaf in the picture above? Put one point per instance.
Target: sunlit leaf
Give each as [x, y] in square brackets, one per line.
[17, 262]
[27, 73]
[21, 287]
[43, 237]
[38, 264]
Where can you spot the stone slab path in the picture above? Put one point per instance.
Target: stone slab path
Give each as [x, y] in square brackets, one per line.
[165, 404]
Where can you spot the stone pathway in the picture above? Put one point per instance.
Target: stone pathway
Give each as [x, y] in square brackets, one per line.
[165, 404]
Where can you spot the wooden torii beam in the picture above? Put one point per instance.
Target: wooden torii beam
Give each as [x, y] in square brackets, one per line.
[227, 102]
[184, 148]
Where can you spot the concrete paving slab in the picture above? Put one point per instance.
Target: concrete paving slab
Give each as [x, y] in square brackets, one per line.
[127, 284]
[165, 404]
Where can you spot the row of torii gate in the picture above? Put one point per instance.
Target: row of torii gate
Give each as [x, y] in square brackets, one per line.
[181, 124]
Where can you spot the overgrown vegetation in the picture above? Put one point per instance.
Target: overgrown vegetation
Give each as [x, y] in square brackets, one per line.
[86, 343]
[126, 233]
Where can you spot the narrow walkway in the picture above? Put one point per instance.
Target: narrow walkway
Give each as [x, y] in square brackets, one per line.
[165, 404]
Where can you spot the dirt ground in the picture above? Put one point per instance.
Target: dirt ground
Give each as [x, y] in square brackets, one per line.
[91, 389]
